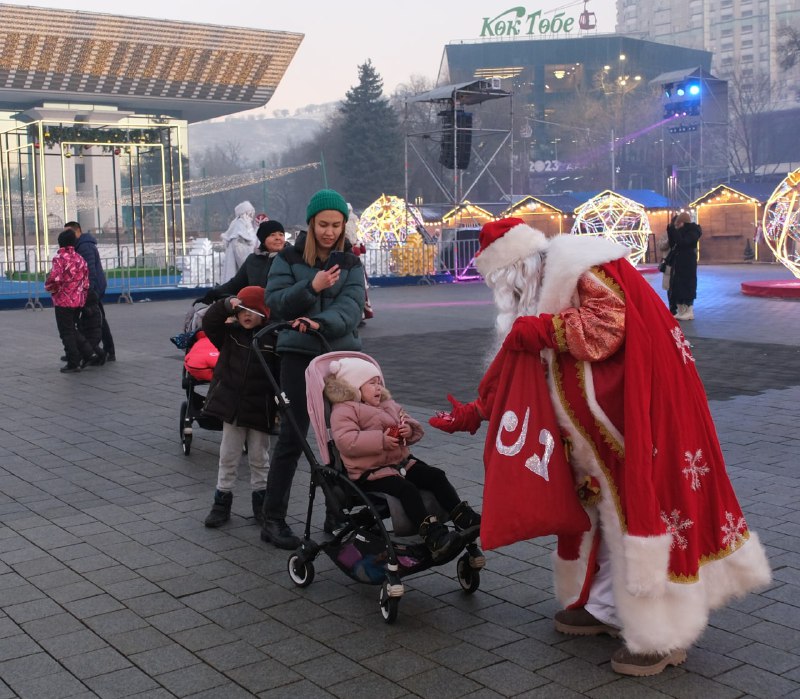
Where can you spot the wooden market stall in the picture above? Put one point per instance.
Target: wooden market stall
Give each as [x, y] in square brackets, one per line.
[729, 216]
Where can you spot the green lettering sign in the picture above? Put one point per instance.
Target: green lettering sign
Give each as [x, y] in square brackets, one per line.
[517, 21]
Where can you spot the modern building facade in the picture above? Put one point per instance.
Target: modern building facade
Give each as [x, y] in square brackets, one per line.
[93, 115]
[585, 113]
[743, 35]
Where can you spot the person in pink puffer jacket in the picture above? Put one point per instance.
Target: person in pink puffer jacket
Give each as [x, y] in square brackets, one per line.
[372, 433]
[68, 282]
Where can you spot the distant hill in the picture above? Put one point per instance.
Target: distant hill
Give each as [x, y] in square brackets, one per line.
[262, 136]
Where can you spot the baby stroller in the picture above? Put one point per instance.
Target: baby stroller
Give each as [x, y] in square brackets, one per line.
[194, 374]
[363, 546]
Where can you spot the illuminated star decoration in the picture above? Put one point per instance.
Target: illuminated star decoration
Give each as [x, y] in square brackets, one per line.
[616, 217]
[387, 221]
[782, 223]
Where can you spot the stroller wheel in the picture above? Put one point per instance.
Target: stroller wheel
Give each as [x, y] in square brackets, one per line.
[186, 436]
[389, 605]
[468, 577]
[301, 572]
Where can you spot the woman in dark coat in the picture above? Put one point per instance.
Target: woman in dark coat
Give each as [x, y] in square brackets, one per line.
[683, 239]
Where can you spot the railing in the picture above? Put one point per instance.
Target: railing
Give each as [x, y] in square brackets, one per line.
[128, 274]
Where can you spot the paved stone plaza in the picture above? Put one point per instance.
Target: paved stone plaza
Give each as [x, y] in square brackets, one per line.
[110, 586]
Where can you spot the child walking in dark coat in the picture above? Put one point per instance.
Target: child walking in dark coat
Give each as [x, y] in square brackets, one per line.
[241, 396]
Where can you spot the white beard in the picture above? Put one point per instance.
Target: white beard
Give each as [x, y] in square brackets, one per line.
[516, 293]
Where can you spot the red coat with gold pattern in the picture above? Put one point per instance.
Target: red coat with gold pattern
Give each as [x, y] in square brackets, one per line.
[643, 450]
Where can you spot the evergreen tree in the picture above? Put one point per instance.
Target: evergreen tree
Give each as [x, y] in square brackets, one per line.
[369, 152]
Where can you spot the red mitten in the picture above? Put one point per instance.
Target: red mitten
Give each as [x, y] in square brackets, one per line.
[464, 417]
[530, 334]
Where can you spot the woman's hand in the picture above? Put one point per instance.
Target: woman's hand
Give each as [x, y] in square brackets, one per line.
[302, 324]
[325, 278]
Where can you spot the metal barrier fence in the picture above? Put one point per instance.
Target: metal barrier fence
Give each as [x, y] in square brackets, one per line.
[129, 274]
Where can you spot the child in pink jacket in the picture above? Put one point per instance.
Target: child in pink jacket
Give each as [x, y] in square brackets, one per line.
[372, 433]
[68, 282]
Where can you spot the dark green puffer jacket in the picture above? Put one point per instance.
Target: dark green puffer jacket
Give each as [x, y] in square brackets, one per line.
[338, 309]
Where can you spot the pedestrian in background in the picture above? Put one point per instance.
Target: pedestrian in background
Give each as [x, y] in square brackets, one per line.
[86, 247]
[683, 239]
[68, 282]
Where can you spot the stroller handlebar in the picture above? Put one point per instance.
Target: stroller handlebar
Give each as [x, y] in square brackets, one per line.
[287, 325]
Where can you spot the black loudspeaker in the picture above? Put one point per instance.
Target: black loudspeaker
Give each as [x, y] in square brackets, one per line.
[449, 153]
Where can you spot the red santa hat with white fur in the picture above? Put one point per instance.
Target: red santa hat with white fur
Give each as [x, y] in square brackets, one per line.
[506, 241]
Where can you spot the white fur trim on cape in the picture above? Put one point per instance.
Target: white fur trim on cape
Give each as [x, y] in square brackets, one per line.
[568, 257]
[676, 618]
[646, 564]
[519, 242]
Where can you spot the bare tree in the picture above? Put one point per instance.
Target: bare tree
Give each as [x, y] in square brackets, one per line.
[749, 102]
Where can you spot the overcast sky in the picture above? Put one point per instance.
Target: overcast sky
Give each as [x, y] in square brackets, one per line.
[402, 38]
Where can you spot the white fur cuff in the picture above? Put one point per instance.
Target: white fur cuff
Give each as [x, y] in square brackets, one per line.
[646, 564]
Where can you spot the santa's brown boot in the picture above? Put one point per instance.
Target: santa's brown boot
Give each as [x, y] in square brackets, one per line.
[644, 664]
[579, 622]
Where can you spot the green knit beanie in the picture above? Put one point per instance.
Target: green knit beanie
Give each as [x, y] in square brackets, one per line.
[326, 200]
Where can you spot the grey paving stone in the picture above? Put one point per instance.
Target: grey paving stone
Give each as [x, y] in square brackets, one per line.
[263, 676]
[95, 662]
[35, 609]
[64, 645]
[121, 683]
[17, 646]
[138, 640]
[202, 637]
[164, 658]
[55, 686]
[366, 686]
[96, 605]
[439, 682]
[191, 680]
[178, 620]
[759, 683]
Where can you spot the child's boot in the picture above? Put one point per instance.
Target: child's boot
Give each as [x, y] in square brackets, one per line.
[464, 517]
[439, 539]
[258, 505]
[220, 510]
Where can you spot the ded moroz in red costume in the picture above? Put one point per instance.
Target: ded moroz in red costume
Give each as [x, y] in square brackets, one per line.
[642, 447]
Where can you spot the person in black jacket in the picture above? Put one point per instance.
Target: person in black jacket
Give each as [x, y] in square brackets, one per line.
[241, 396]
[683, 239]
[254, 270]
[86, 247]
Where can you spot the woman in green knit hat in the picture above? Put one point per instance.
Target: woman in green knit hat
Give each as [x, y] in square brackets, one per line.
[319, 285]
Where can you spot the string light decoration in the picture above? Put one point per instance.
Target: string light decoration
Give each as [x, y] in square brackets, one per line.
[781, 223]
[153, 194]
[618, 218]
[388, 221]
[414, 258]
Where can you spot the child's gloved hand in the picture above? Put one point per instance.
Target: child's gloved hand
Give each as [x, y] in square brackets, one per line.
[464, 417]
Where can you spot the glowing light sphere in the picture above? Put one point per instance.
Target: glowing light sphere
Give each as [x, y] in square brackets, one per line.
[781, 224]
[387, 221]
[617, 218]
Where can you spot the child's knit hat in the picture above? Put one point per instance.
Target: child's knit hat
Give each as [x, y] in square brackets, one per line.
[353, 371]
[253, 298]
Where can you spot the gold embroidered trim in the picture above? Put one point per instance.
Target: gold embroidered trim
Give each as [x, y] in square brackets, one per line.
[608, 437]
[558, 383]
[609, 282]
[560, 333]
[708, 558]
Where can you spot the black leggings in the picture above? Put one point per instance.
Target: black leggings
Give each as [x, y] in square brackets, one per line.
[420, 476]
